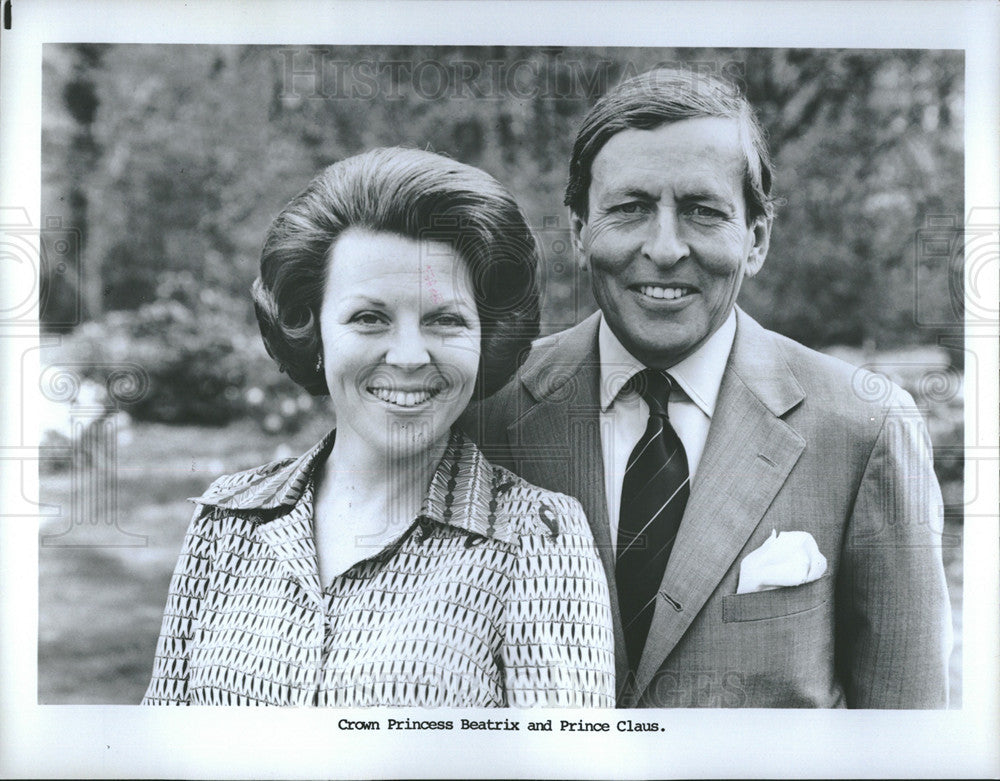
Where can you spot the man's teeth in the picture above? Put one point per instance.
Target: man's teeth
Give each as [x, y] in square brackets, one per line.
[401, 398]
[663, 292]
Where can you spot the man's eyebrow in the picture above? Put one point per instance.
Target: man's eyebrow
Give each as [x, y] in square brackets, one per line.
[705, 195]
[626, 192]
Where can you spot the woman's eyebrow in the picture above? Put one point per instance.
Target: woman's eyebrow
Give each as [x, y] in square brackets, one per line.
[360, 298]
[440, 303]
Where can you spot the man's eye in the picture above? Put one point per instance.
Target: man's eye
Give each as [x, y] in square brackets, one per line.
[705, 212]
[632, 207]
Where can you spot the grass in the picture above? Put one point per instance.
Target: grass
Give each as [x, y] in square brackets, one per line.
[102, 587]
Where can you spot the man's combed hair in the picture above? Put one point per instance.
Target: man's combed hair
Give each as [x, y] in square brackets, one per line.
[659, 97]
[418, 195]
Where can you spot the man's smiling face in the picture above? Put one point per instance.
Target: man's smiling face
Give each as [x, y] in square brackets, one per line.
[666, 238]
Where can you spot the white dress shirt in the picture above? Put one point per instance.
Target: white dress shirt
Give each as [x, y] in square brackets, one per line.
[624, 417]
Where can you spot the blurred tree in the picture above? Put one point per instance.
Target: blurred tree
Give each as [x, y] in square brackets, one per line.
[70, 147]
[868, 147]
[194, 149]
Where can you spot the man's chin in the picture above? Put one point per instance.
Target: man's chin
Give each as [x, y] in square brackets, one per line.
[665, 348]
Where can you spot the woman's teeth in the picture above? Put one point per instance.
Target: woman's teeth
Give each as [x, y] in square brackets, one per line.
[402, 398]
[662, 292]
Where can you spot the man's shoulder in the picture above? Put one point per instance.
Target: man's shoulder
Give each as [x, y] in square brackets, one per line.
[811, 365]
[552, 359]
[546, 344]
[834, 383]
[569, 344]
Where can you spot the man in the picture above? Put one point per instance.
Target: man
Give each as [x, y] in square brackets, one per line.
[771, 530]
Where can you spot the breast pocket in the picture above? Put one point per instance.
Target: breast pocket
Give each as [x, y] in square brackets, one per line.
[777, 603]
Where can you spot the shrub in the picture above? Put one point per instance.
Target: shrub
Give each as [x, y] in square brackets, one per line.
[200, 357]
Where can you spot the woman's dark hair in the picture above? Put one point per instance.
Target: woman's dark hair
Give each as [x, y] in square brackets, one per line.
[418, 195]
[659, 97]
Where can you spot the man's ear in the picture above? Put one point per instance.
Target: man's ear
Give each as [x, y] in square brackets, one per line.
[761, 229]
[576, 227]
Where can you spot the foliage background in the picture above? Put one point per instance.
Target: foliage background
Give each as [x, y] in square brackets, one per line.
[165, 164]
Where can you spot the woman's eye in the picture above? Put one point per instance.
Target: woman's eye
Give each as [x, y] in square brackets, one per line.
[367, 318]
[450, 320]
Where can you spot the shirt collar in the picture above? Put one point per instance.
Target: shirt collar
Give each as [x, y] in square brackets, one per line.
[699, 375]
[275, 487]
[462, 492]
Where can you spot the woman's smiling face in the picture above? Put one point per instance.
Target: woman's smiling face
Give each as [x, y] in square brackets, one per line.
[401, 340]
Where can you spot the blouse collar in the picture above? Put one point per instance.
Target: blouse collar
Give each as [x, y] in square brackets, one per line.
[463, 490]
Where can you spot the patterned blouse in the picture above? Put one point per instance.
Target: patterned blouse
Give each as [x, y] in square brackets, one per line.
[494, 596]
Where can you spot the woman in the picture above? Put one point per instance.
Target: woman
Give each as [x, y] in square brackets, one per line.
[391, 564]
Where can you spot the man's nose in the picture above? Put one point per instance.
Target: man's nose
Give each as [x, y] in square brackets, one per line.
[664, 242]
[408, 347]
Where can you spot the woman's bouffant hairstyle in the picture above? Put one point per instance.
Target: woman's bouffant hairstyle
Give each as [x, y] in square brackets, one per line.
[418, 195]
[659, 97]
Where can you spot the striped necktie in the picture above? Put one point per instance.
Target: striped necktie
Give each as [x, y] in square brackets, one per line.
[654, 493]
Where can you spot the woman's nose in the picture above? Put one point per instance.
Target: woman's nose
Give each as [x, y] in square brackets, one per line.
[408, 347]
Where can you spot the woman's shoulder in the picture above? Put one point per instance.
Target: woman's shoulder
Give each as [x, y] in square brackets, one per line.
[233, 484]
[266, 487]
[237, 502]
[527, 509]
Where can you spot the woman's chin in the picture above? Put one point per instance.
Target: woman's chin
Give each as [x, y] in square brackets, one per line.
[404, 437]
[404, 431]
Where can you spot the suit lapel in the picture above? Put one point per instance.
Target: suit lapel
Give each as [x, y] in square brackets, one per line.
[558, 439]
[747, 458]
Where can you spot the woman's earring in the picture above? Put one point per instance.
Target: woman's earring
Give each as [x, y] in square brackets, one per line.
[319, 362]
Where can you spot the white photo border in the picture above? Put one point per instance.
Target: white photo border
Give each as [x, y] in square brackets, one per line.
[120, 741]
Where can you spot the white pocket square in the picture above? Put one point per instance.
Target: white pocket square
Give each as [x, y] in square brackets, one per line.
[786, 559]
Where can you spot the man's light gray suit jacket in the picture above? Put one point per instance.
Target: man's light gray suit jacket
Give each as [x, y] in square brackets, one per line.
[799, 442]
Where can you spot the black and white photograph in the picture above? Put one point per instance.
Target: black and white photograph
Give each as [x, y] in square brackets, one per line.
[628, 390]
